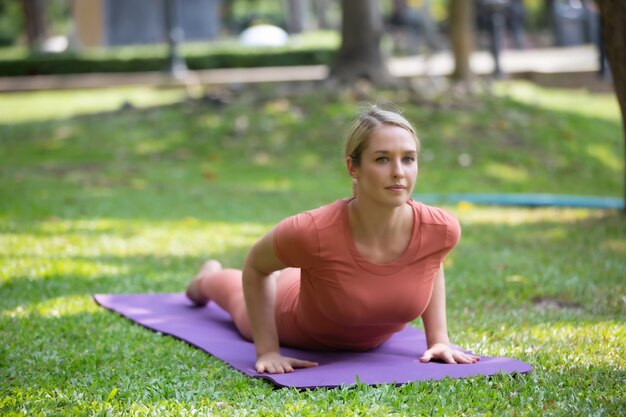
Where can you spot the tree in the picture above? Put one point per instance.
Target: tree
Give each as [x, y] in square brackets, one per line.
[360, 55]
[35, 22]
[321, 9]
[613, 15]
[462, 37]
[297, 15]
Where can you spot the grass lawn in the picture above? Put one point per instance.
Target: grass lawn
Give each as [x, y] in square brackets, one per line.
[134, 201]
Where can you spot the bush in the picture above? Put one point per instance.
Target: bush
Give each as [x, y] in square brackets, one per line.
[155, 59]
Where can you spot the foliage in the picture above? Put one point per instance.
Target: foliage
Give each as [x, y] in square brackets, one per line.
[224, 54]
[134, 201]
[10, 21]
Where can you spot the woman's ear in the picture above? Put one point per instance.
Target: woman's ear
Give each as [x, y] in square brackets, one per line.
[352, 169]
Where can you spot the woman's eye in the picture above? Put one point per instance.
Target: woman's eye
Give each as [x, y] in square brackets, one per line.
[406, 159]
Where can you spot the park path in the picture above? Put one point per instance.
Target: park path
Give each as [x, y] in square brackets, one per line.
[529, 62]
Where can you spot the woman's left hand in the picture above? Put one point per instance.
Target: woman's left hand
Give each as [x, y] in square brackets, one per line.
[445, 353]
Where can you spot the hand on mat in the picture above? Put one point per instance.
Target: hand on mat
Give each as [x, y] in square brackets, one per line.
[445, 353]
[275, 363]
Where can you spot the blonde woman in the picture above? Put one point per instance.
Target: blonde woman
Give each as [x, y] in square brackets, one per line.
[350, 274]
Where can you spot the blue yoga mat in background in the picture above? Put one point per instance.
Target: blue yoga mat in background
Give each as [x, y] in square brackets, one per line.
[524, 200]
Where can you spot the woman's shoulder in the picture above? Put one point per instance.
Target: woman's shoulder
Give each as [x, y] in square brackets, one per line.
[327, 215]
[297, 238]
[315, 219]
[435, 215]
[439, 229]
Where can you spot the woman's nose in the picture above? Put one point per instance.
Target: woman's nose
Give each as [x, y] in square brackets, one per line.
[397, 170]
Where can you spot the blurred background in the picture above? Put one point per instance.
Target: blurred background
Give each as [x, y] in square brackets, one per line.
[63, 58]
[59, 25]
[47, 37]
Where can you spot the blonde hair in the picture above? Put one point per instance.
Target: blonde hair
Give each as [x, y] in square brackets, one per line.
[369, 120]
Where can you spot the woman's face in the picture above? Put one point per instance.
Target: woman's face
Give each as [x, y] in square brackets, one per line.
[388, 167]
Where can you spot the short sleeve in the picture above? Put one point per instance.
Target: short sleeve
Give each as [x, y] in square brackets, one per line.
[453, 232]
[441, 231]
[296, 241]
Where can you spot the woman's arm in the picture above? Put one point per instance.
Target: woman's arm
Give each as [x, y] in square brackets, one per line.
[436, 327]
[260, 296]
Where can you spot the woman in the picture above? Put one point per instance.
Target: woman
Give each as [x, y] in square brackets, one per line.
[352, 273]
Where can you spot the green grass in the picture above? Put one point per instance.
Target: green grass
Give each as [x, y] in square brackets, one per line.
[134, 201]
[46, 105]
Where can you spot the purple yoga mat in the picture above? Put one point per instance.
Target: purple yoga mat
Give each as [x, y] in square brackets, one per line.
[210, 329]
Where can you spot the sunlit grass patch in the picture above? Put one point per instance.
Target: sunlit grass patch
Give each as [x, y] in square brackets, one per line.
[600, 105]
[584, 343]
[507, 172]
[567, 338]
[475, 214]
[48, 105]
[128, 237]
[52, 259]
[55, 307]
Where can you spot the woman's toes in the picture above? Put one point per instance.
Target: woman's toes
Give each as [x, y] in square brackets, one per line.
[194, 295]
[193, 289]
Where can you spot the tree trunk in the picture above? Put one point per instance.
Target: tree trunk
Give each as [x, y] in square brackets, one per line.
[34, 12]
[462, 37]
[613, 15]
[321, 8]
[297, 15]
[360, 55]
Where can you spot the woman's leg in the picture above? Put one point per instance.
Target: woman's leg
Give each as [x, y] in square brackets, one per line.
[224, 286]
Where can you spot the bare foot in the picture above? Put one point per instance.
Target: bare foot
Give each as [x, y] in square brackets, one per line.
[193, 289]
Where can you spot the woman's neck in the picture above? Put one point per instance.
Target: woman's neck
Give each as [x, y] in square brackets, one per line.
[373, 222]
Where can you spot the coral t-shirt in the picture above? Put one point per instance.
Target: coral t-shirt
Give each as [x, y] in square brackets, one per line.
[334, 298]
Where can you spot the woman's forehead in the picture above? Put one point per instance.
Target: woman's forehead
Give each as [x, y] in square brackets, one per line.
[388, 137]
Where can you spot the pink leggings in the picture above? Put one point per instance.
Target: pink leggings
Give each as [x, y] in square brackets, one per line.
[226, 289]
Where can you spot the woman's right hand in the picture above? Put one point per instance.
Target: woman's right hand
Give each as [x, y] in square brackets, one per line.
[259, 289]
[275, 363]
